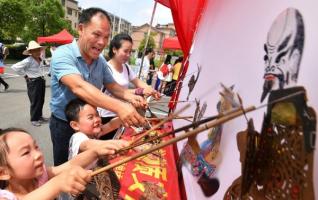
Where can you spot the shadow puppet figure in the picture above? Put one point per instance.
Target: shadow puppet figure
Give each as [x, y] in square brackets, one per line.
[278, 163]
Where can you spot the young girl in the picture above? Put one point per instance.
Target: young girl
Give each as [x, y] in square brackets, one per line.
[23, 174]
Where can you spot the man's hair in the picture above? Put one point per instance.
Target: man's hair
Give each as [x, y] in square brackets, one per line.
[168, 59]
[88, 13]
[117, 42]
[148, 51]
[73, 108]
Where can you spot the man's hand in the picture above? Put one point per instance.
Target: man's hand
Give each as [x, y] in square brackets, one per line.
[129, 116]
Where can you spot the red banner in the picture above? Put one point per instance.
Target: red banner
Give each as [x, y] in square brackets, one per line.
[153, 176]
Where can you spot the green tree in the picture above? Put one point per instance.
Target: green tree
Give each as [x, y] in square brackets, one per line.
[44, 17]
[12, 19]
[151, 42]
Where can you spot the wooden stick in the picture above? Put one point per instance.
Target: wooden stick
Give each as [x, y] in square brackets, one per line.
[160, 102]
[177, 117]
[187, 127]
[176, 139]
[208, 119]
[160, 123]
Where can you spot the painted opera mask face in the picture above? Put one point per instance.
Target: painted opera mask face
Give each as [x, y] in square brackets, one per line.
[284, 46]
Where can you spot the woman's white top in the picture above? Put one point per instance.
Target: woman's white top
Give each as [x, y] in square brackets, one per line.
[122, 78]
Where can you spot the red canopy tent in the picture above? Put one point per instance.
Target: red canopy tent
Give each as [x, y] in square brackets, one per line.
[63, 37]
[171, 43]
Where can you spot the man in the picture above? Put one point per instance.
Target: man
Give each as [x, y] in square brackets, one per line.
[149, 55]
[4, 51]
[31, 68]
[79, 70]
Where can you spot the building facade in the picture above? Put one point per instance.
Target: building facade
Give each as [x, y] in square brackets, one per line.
[160, 32]
[72, 12]
[119, 25]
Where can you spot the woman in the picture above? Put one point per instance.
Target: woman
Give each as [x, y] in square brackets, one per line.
[164, 74]
[119, 53]
[175, 71]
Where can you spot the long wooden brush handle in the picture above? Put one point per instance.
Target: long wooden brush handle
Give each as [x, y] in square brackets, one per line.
[139, 137]
[177, 117]
[187, 127]
[176, 139]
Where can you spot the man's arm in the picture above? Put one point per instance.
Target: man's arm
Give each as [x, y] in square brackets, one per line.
[94, 96]
[19, 67]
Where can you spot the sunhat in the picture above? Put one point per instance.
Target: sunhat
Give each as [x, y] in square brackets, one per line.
[32, 45]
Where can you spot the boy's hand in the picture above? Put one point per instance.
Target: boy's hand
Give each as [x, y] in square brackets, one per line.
[109, 147]
[74, 180]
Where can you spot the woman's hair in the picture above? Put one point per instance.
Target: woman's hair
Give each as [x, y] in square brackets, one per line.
[4, 150]
[117, 42]
[73, 108]
[168, 60]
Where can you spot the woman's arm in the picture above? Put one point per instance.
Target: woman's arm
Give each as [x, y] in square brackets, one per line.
[147, 90]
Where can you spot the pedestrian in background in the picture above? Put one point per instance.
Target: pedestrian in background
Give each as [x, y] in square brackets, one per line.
[31, 68]
[4, 52]
[150, 54]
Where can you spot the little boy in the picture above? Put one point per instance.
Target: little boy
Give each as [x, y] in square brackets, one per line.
[85, 120]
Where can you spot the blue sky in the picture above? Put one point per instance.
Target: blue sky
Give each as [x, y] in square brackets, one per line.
[137, 12]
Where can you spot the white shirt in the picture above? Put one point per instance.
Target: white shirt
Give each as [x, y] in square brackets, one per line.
[30, 67]
[7, 195]
[122, 79]
[145, 67]
[74, 146]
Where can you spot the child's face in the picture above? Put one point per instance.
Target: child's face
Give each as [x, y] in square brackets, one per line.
[24, 156]
[89, 122]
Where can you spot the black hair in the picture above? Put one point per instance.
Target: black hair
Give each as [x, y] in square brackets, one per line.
[139, 55]
[117, 42]
[148, 51]
[180, 59]
[12, 129]
[168, 60]
[88, 13]
[73, 108]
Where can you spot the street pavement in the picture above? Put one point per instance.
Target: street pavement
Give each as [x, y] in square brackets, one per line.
[15, 111]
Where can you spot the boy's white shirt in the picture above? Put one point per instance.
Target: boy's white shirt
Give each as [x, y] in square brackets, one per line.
[74, 147]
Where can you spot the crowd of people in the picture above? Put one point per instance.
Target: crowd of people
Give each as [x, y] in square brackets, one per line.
[90, 99]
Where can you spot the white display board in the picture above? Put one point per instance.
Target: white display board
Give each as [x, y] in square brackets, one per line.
[229, 47]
